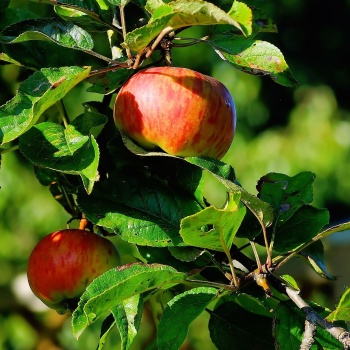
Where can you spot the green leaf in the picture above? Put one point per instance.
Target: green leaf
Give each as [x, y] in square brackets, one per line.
[36, 94]
[226, 175]
[232, 327]
[107, 83]
[342, 312]
[117, 285]
[304, 225]
[286, 194]
[243, 15]
[214, 228]
[175, 15]
[72, 150]
[106, 328]
[334, 229]
[314, 255]
[128, 315]
[53, 29]
[178, 315]
[254, 57]
[140, 208]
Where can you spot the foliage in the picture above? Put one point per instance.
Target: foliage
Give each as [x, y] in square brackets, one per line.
[185, 248]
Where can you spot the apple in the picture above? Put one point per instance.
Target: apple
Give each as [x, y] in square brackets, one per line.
[65, 262]
[178, 110]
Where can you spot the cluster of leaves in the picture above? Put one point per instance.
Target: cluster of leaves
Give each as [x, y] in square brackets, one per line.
[186, 246]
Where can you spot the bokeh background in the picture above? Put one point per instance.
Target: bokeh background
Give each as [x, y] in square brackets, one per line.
[279, 129]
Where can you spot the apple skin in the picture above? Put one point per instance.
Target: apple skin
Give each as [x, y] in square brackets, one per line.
[65, 262]
[181, 111]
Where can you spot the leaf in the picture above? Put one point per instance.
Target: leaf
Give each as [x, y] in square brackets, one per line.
[214, 228]
[254, 57]
[342, 312]
[226, 175]
[334, 229]
[128, 315]
[140, 208]
[286, 194]
[106, 328]
[304, 225]
[178, 315]
[59, 31]
[314, 255]
[117, 285]
[72, 150]
[242, 13]
[232, 327]
[107, 83]
[36, 94]
[175, 15]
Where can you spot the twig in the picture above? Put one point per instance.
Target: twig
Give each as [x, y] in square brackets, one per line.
[314, 318]
[308, 338]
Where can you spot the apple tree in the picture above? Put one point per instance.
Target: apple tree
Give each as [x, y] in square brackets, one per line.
[117, 178]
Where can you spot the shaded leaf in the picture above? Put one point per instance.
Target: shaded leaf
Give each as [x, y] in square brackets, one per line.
[214, 228]
[117, 285]
[314, 255]
[178, 315]
[232, 327]
[60, 32]
[304, 225]
[140, 208]
[36, 94]
[106, 328]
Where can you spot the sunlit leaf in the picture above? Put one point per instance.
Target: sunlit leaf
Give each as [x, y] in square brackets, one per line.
[214, 228]
[128, 319]
[72, 150]
[254, 57]
[36, 94]
[175, 15]
[61, 32]
[117, 285]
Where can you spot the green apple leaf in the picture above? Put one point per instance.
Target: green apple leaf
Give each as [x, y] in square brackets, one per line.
[72, 150]
[109, 82]
[243, 15]
[286, 194]
[175, 15]
[303, 226]
[254, 57]
[226, 175]
[314, 255]
[342, 312]
[118, 285]
[128, 315]
[6, 58]
[233, 327]
[36, 94]
[214, 228]
[178, 315]
[139, 207]
[53, 29]
[335, 229]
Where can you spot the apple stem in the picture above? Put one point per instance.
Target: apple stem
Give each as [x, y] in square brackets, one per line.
[83, 222]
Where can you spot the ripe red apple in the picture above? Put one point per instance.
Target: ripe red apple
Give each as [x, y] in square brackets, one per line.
[65, 262]
[183, 112]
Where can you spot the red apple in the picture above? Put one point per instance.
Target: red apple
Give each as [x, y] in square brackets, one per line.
[65, 262]
[183, 112]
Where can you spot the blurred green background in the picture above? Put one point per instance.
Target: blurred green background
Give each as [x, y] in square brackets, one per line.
[279, 129]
